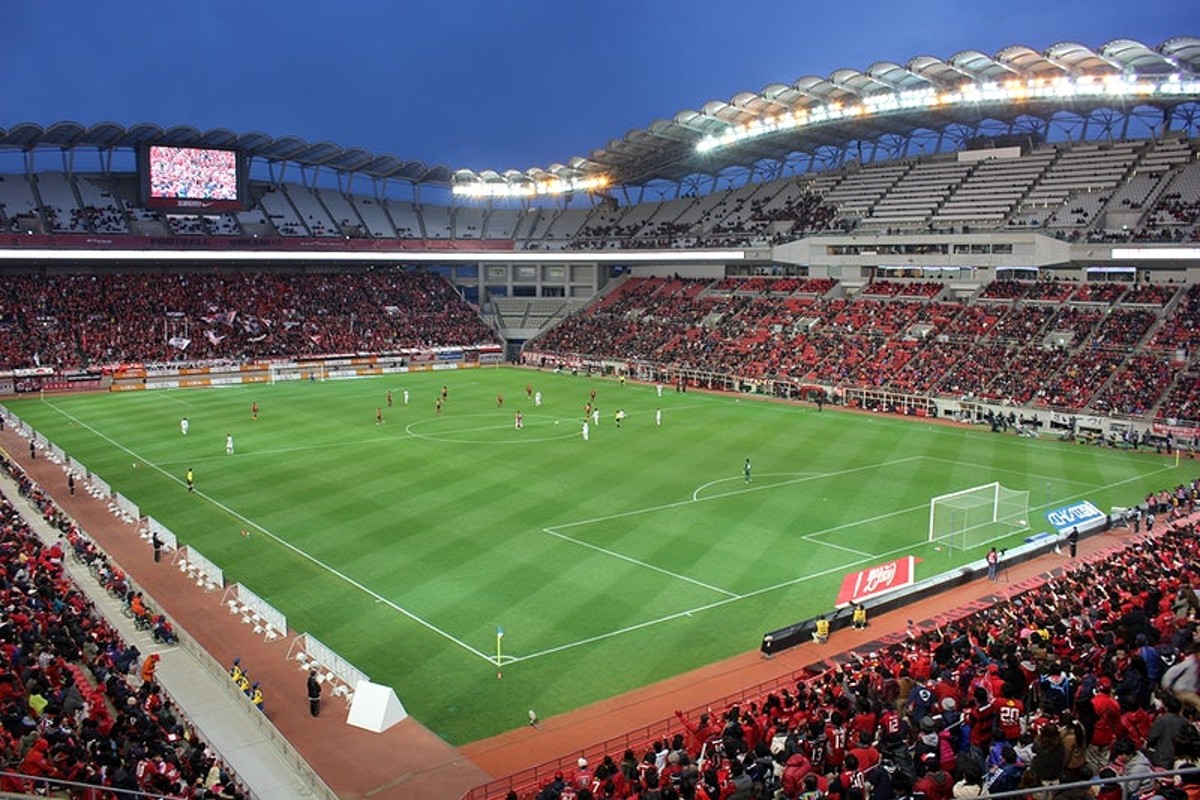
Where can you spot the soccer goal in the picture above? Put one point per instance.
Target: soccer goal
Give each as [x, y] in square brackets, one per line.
[972, 517]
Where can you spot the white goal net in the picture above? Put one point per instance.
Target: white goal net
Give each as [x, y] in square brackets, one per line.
[972, 517]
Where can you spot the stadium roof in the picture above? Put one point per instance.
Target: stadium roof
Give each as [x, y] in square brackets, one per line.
[669, 149]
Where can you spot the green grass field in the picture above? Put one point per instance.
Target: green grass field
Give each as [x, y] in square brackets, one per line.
[610, 564]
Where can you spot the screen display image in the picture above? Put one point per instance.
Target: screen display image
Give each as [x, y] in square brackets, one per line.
[192, 178]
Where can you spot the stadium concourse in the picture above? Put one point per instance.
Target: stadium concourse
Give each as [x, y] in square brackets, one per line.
[408, 761]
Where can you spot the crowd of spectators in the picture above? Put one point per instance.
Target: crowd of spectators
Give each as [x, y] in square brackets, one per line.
[1104, 293]
[202, 225]
[1020, 324]
[1078, 320]
[68, 321]
[1045, 290]
[1026, 343]
[1150, 294]
[886, 288]
[1174, 211]
[1007, 339]
[1123, 327]
[1181, 330]
[76, 701]
[1091, 674]
[972, 375]
[745, 222]
[1136, 387]
[1080, 378]
[1019, 380]
[1183, 398]
[62, 221]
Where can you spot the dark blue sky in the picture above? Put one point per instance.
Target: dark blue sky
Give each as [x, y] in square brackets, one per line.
[500, 85]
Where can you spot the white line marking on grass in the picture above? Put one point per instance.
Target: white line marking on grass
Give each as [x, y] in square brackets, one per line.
[810, 536]
[306, 556]
[555, 530]
[813, 476]
[775, 587]
[742, 479]
[689, 501]
[243, 454]
[639, 563]
[838, 547]
[568, 432]
[1039, 476]
[707, 606]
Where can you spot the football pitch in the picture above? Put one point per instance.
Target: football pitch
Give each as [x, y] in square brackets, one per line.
[608, 564]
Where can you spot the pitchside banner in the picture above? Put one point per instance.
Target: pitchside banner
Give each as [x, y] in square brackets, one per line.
[1177, 429]
[1083, 515]
[879, 579]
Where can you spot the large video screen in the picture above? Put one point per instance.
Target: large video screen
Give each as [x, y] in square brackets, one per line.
[195, 179]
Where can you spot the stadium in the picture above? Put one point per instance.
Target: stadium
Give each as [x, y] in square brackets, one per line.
[568, 482]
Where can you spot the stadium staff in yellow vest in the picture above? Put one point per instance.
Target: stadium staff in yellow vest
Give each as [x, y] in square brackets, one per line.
[821, 631]
[256, 696]
[860, 616]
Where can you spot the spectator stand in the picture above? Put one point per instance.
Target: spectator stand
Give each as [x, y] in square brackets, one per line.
[194, 681]
[103, 683]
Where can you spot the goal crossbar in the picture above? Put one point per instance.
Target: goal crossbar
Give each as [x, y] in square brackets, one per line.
[971, 517]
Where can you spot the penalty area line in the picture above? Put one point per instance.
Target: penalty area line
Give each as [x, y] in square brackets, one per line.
[643, 564]
[777, 586]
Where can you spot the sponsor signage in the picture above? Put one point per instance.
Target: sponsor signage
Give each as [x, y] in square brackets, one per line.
[1083, 515]
[873, 581]
[1176, 429]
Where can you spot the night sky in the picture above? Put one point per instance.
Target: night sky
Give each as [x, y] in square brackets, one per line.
[487, 85]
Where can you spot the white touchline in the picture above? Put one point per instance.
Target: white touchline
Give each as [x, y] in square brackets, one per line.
[303, 554]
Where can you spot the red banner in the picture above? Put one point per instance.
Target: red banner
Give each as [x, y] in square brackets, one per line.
[1178, 431]
[877, 580]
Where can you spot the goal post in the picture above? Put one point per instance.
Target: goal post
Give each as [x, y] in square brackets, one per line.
[972, 517]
